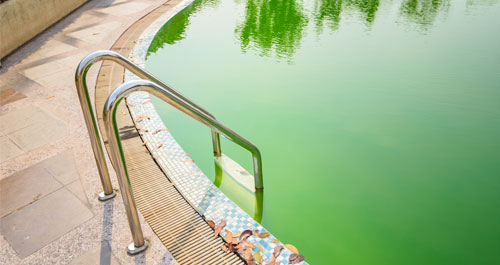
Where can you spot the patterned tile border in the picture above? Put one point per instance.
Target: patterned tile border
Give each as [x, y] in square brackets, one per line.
[199, 191]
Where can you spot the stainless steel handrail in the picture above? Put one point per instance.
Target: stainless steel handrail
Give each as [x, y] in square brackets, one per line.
[117, 155]
[91, 122]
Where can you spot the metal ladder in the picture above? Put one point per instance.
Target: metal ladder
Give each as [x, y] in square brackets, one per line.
[152, 85]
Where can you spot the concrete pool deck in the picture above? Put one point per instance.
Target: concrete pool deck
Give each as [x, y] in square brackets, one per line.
[48, 180]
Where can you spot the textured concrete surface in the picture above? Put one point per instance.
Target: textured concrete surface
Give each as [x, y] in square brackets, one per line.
[48, 179]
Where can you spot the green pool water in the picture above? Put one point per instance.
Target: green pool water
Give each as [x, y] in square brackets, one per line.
[378, 121]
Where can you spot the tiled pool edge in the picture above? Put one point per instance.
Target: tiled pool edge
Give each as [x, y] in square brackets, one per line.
[205, 197]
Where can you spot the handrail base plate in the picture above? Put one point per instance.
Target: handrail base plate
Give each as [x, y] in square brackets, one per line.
[104, 197]
[133, 250]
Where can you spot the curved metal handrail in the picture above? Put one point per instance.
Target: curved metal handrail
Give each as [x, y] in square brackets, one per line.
[117, 155]
[91, 122]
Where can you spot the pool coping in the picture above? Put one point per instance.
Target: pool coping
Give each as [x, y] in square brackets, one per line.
[198, 190]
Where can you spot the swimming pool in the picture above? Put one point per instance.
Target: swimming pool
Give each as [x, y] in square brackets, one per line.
[378, 121]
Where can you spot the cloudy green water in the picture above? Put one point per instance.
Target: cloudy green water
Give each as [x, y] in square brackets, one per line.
[378, 121]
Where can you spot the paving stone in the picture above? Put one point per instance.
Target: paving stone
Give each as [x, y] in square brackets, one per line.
[27, 138]
[25, 187]
[99, 255]
[43, 130]
[83, 21]
[42, 70]
[58, 80]
[42, 222]
[8, 149]
[10, 95]
[54, 47]
[123, 9]
[116, 2]
[18, 119]
[21, 83]
[95, 34]
[76, 188]
[73, 60]
[62, 167]
[31, 58]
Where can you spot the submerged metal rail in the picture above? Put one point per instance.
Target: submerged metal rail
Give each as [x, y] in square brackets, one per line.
[117, 155]
[167, 94]
[91, 122]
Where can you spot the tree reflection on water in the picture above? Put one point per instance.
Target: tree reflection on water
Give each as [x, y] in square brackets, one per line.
[423, 13]
[272, 25]
[277, 27]
[174, 30]
[329, 11]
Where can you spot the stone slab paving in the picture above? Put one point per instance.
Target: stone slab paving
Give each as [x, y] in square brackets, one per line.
[29, 128]
[25, 187]
[10, 95]
[37, 224]
[49, 212]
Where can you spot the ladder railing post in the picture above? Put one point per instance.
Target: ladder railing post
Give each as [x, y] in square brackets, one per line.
[118, 157]
[93, 130]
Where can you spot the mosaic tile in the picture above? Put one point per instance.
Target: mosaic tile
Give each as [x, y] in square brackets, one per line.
[200, 192]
